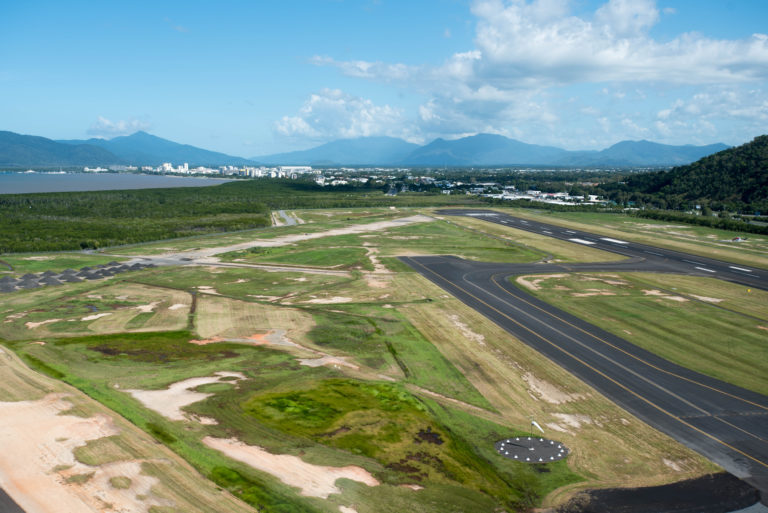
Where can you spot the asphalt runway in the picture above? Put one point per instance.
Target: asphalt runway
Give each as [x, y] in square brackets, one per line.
[7, 505]
[725, 423]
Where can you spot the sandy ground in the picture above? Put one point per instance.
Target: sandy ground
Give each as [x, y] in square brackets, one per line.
[95, 316]
[33, 325]
[37, 440]
[169, 402]
[547, 391]
[148, 308]
[532, 281]
[313, 480]
[177, 306]
[330, 300]
[290, 239]
[330, 361]
[466, 331]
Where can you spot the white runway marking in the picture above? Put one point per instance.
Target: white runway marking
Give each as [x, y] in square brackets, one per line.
[615, 241]
[582, 241]
[740, 269]
[705, 269]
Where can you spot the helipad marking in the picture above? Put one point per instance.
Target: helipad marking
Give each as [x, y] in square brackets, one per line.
[582, 241]
[615, 241]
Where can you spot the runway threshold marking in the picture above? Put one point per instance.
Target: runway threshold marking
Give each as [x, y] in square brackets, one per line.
[587, 365]
[582, 241]
[649, 364]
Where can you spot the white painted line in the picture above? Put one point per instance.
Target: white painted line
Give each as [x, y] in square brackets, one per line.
[481, 214]
[615, 241]
[740, 269]
[705, 269]
[569, 231]
[524, 222]
[547, 232]
[692, 262]
[653, 253]
[582, 241]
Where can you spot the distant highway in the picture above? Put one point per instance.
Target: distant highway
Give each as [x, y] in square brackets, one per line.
[725, 423]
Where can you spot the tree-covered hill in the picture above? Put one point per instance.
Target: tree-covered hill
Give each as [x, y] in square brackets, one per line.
[733, 179]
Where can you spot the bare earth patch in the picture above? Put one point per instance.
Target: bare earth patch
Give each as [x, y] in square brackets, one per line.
[547, 391]
[149, 308]
[330, 361]
[330, 300]
[313, 480]
[33, 325]
[177, 306]
[37, 438]
[466, 331]
[95, 316]
[707, 299]
[170, 401]
[573, 420]
[532, 282]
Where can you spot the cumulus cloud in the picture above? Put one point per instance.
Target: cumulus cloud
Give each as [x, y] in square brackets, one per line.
[104, 127]
[527, 52]
[334, 114]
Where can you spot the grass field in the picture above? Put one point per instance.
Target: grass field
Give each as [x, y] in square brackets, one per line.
[381, 371]
[23, 264]
[697, 240]
[711, 326]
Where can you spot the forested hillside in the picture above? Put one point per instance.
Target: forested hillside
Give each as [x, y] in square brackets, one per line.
[735, 179]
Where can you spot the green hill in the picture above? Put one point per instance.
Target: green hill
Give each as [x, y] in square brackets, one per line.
[733, 179]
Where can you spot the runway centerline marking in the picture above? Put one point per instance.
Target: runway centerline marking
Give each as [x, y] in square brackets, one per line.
[587, 365]
[740, 269]
[649, 364]
[705, 269]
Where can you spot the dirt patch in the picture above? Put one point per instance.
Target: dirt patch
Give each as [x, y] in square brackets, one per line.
[43, 440]
[313, 480]
[376, 282]
[588, 294]
[206, 341]
[330, 361]
[177, 306]
[372, 255]
[707, 299]
[330, 300]
[654, 293]
[573, 420]
[412, 486]
[170, 401]
[149, 308]
[466, 331]
[547, 391]
[532, 281]
[762, 327]
[38, 258]
[95, 316]
[33, 325]
[671, 464]
[679, 299]
[207, 289]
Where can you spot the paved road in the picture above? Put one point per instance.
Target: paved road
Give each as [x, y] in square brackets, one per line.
[723, 422]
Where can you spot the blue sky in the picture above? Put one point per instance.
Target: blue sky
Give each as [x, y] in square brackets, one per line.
[251, 78]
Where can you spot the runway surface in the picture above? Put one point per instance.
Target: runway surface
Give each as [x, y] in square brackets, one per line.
[7, 505]
[725, 423]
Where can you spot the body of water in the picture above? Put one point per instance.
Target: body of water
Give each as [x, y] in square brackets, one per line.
[19, 183]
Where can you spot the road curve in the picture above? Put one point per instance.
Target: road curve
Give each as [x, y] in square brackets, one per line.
[725, 423]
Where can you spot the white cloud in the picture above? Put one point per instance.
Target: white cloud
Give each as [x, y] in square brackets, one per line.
[334, 114]
[527, 53]
[104, 127]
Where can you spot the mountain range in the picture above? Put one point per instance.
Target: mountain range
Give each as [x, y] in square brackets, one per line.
[142, 148]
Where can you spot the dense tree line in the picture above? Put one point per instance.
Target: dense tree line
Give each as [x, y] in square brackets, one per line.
[90, 220]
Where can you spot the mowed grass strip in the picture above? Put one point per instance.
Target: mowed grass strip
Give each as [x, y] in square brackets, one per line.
[695, 333]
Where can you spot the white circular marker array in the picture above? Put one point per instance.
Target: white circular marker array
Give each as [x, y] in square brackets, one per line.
[531, 449]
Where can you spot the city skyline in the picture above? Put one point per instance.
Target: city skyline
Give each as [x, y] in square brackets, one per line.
[250, 80]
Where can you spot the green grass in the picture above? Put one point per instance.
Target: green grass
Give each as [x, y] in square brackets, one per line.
[703, 336]
[23, 264]
[344, 257]
[239, 283]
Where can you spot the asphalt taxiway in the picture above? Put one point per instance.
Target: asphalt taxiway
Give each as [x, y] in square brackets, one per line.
[725, 423]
